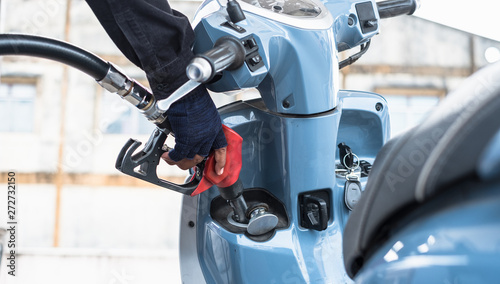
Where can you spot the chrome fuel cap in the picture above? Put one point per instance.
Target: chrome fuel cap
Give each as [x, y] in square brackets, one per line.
[261, 222]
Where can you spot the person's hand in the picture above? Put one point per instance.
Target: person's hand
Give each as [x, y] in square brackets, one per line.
[198, 130]
[219, 155]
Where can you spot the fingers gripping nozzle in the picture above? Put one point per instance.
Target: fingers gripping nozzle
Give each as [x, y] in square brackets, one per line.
[257, 220]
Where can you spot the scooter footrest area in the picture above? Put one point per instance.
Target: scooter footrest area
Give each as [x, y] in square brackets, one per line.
[220, 210]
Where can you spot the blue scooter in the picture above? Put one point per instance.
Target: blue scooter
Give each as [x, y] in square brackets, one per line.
[300, 157]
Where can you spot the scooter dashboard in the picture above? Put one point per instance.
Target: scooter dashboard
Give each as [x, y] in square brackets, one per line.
[295, 8]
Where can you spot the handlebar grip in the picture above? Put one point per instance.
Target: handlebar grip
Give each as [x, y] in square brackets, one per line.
[228, 54]
[393, 8]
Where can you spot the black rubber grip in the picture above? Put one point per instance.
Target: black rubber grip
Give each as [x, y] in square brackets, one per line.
[394, 8]
[228, 53]
[29, 45]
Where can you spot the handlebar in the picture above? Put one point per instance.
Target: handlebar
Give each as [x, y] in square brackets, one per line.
[393, 8]
[228, 54]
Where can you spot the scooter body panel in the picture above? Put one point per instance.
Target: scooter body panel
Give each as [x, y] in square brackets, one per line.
[294, 79]
[300, 74]
[276, 157]
[290, 139]
[457, 243]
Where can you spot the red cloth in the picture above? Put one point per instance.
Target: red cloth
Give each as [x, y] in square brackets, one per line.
[231, 169]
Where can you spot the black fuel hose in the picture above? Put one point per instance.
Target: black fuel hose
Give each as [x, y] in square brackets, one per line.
[29, 45]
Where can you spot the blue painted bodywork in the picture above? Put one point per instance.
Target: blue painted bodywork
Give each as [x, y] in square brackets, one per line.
[489, 167]
[301, 65]
[278, 156]
[307, 80]
[289, 149]
[454, 238]
[444, 243]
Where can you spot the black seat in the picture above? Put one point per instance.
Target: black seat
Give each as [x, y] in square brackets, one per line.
[414, 167]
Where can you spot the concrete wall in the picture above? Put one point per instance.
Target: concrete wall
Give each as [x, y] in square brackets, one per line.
[415, 53]
[108, 235]
[94, 266]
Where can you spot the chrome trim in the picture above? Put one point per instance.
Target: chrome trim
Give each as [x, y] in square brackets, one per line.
[185, 89]
[231, 221]
[199, 70]
[321, 22]
[115, 81]
[261, 222]
[205, 9]
[153, 114]
[133, 97]
[419, 4]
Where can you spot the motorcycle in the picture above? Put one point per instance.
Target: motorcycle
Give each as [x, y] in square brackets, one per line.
[295, 204]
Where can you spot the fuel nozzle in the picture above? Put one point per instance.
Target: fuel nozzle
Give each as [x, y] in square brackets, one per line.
[233, 194]
[256, 219]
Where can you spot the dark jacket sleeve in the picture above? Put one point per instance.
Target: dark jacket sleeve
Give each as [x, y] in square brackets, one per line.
[159, 40]
[152, 36]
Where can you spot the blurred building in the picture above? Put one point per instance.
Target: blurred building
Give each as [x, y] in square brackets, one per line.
[61, 133]
[414, 63]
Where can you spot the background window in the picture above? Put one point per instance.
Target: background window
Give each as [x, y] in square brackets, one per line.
[409, 107]
[121, 117]
[17, 106]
